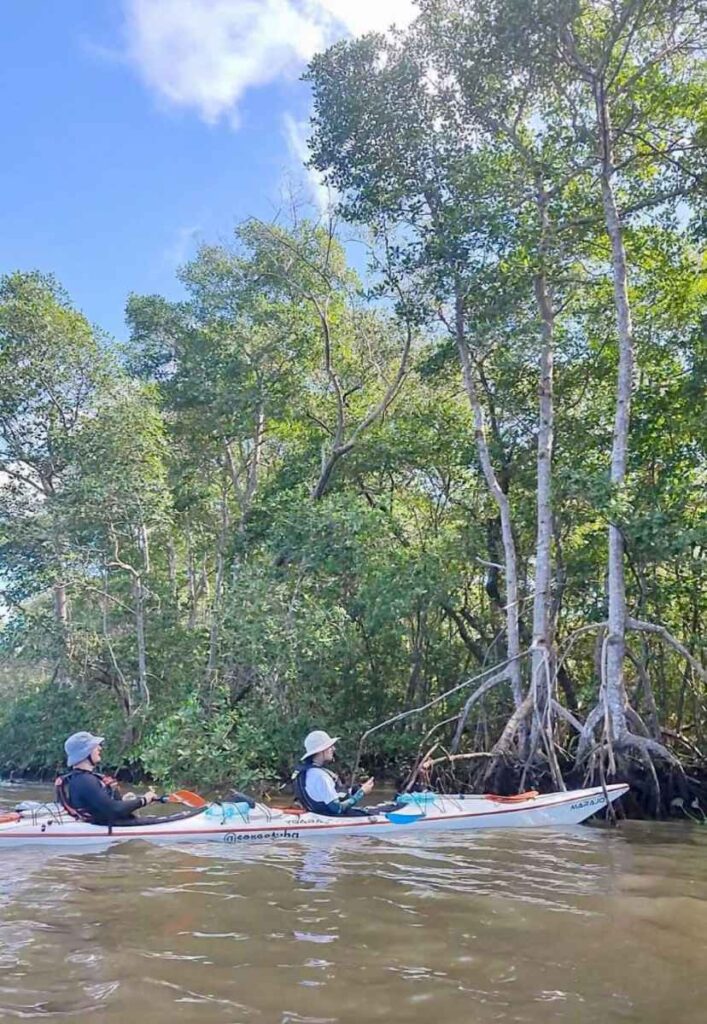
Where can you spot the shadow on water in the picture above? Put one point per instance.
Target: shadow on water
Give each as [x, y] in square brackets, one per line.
[585, 925]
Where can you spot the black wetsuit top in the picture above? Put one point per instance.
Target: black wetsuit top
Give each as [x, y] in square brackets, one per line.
[88, 794]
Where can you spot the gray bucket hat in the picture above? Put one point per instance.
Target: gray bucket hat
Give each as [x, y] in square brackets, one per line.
[79, 746]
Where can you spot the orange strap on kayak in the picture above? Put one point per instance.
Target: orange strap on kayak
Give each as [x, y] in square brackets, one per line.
[9, 816]
[530, 794]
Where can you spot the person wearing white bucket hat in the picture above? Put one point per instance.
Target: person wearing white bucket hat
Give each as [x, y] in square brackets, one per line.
[318, 742]
[316, 788]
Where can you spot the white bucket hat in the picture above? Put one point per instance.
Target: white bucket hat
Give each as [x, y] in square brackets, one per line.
[317, 741]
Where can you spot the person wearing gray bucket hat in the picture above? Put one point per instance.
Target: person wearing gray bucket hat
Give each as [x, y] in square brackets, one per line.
[317, 788]
[85, 793]
[81, 746]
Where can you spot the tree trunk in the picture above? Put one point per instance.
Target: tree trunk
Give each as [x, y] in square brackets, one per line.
[61, 617]
[191, 583]
[616, 639]
[543, 654]
[172, 565]
[139, 598]
[212, 666]
[119, 683]
[416, 658]
[256, 455]
[61, 613]
[501, 499]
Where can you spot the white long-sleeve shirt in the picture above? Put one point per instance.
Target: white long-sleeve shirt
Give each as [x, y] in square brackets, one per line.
[320, 785]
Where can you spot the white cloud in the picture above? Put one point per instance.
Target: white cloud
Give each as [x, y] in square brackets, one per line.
[205, 54]
[182, 245]
[296, 133]
[359, 16]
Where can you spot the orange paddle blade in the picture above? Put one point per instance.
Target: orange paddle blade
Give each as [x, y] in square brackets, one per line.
[185, 796]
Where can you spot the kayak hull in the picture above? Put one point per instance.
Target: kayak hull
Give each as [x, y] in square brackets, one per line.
[264, 825]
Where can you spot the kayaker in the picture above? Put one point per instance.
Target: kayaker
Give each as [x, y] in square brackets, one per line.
[317, 788]
[87, 794]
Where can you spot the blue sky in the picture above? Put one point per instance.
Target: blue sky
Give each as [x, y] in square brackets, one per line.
[133, 129]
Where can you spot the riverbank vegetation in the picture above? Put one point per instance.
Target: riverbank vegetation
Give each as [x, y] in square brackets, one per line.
[339, 479]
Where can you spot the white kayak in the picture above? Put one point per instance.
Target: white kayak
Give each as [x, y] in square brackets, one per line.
[235, 823]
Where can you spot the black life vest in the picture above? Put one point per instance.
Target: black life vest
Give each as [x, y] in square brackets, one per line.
[61, 792]
[299, 785]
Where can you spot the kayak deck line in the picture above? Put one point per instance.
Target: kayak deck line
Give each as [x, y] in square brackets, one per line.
[453, 813]
[373, 819]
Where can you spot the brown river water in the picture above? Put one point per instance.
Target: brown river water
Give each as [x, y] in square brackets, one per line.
[584, 925]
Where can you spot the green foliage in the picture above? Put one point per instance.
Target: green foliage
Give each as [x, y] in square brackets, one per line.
[200, 745]
[35, 721]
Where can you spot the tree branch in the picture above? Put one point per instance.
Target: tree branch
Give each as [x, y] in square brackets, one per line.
[639, 626]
